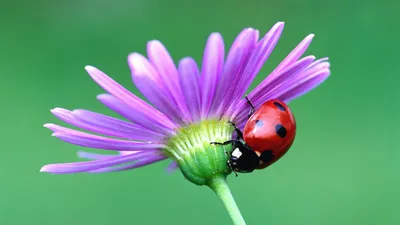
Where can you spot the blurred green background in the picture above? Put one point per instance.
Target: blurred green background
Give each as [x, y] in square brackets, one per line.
[343, 168]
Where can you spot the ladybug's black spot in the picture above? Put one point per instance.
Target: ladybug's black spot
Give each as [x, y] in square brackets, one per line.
[266, 156]
[280, 130]
[280, 106]
[259, 123]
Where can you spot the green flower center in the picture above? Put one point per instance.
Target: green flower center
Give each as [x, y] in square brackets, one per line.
[199, 160]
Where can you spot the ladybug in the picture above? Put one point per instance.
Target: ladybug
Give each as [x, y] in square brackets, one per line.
[267, 136]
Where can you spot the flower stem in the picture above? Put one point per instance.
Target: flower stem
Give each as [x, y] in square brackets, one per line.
[220, 187]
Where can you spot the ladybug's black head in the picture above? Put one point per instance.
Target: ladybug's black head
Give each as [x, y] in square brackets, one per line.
[243, 159]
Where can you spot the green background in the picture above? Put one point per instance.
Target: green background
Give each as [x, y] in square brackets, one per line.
[342, 169]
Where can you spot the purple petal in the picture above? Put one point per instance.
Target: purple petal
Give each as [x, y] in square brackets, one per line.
[310, 78]
[295, 54]
[144, 112]
[132, 114]
[276, 78]
[64, 168]
[293, 82]
[212, 65]
[104, 125]
[257, 59]
[140, 163]
[189, 81]
[90, 155]
[162, 61]
[290, 59]
[106, 144]
[321, 62]
[238, 54]
[268, 86]
[112, 123]
[153, 87]
[305, 86]
[94, 141]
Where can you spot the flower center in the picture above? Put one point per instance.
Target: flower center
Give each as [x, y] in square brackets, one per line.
[199, 160]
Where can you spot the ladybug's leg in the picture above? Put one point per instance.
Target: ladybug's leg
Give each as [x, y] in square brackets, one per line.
[251, 105]
[230, 167]
[225, 143]
[237, 130]
[228, 163]
[233, 142]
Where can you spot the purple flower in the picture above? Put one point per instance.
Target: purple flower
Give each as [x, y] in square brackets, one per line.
[189, 108]
[181, 97]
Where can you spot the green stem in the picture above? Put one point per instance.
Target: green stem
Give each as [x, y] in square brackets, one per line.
[220, 187]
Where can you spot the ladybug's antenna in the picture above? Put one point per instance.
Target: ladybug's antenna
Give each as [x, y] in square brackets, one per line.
[251, 105]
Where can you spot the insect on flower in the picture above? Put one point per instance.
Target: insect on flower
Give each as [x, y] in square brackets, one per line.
[268, 135]
[190, 107]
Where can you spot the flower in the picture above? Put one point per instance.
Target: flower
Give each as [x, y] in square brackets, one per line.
[189, 107]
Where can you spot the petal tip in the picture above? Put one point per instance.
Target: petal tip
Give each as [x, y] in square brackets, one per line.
[155, 45]
[44, 169]
[215, 36]
[56, 134]
[102, 96]
[58, 110]
[154, 41]
[93, 72]
[51, 127]
[89, 68]
[311, 57]
[132, 56]
[280, 24]
[307, 40]
[50, 168]
[138, 64]
[310, 37]
[248, 29]
[187, 59]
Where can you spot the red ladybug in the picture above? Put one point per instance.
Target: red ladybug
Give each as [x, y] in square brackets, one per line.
[268, 135]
